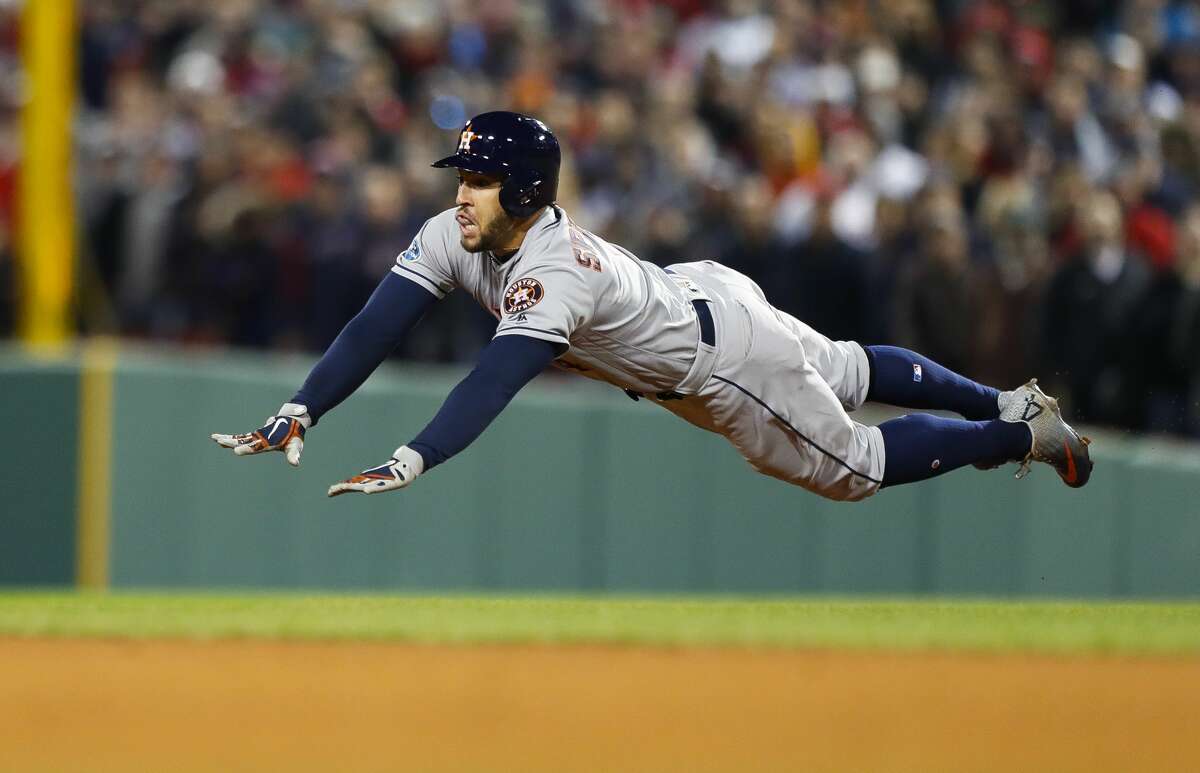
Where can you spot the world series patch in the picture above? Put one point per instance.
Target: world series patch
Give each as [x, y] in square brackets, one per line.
[522, 294]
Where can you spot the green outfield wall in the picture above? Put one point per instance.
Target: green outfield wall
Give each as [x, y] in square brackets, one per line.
[39, 419]
[575, 487]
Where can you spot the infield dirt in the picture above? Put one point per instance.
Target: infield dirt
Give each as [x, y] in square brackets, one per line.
[260, 705]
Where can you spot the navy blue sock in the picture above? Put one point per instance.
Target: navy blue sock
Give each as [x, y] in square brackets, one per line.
[920, 446]
[909, 380]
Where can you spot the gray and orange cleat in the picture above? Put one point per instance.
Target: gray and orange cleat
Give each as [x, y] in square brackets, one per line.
[1054, 441]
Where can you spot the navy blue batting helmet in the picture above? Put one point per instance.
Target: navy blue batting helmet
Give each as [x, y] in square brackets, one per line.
[521, 150]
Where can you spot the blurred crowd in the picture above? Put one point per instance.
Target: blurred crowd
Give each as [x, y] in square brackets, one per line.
[1012, 188]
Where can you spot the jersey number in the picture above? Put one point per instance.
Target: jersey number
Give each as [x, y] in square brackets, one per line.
[583, 256]
[587, 260]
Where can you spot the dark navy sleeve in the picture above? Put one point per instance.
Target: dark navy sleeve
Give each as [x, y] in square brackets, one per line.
[508, 363]
[366, 341]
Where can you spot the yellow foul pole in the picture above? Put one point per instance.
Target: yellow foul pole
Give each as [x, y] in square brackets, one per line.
[94, 484]
[46, 227]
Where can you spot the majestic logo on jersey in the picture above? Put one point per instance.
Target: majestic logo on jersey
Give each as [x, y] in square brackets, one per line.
[522, 294]
[412, 253]
[465, 139]
[1032, 409]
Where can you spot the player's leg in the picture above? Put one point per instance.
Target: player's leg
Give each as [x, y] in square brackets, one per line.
[892, 375]
[916, 447]
[788, 423]
[909, 380]
[806, 382]
[1030, 428]
[920, 446]
[927, 446]
[1027, 417]
[843, 365]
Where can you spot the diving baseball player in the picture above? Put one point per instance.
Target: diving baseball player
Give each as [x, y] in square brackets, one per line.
[699, 339]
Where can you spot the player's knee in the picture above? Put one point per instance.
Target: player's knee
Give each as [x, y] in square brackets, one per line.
[848, 493]
[845, 488]
[857, 494]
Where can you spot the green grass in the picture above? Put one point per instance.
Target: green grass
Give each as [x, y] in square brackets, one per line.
[988, 626]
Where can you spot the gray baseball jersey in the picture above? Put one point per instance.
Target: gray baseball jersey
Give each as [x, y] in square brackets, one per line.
[777, 389]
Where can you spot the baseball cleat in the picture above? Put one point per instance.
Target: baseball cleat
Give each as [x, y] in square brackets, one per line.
[1054, 441]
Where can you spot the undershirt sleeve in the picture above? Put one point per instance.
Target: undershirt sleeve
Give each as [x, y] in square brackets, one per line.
[366, 341]
[506, 364]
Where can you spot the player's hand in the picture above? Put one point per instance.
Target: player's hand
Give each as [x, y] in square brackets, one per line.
[397, 472]
[283, 432]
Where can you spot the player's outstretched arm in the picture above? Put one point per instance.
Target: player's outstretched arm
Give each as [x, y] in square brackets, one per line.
[366, 341]
[283, 432]
[392, 310]
[508, 363]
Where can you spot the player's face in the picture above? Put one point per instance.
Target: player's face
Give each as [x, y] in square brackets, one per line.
[482, 223]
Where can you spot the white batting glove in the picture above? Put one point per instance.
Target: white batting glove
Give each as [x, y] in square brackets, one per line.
[283, 432]
[397, 472]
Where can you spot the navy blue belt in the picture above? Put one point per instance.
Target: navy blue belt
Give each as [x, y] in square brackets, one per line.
[708, 335]
[708, 332]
